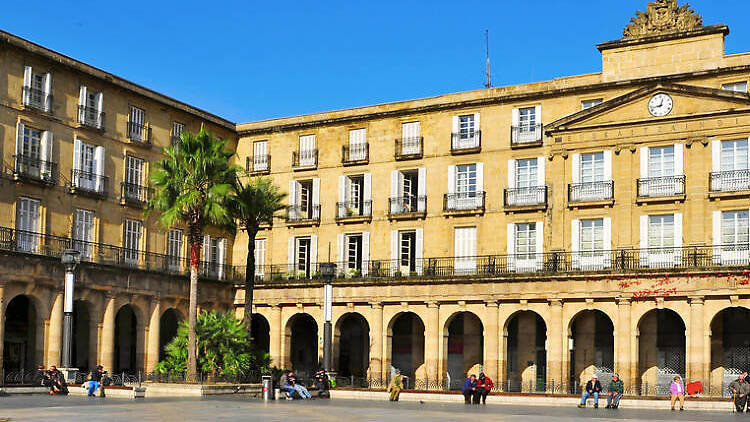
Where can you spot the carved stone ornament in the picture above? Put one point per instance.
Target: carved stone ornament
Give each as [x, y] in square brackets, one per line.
[663, 17]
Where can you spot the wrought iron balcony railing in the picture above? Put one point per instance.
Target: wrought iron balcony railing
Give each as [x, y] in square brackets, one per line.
[134, 194]
[463, 142]
[353, 209]
[305, 159]
[522, 197]
[405, 205]
[525, 135]
[661, 186]
[355, 154]
[258, 163]
[89, 183]
[139, 132]
[91, 117]
[409, 148]
[32, 168]
[591, 191]
[465, 201]
[37, 99]
[730, 181]
[297, 214]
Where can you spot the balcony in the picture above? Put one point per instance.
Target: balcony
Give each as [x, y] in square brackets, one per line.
[655, 188]
[37, 99]
[354, 211]
[463, 143]
[525, 136]
[134, 194]
[407, 207]
[305, 159]
[35, 170]
[409, 148]
[464, 203]
[355, 154]
[138, 132]
[733, 181]
[90, 184]
[531, 198]
[301, 216]
[91, 117]
[593, 193]
[258, 164]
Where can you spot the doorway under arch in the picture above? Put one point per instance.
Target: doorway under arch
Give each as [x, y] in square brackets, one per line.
[302, 331]
[352, 341]
[526, 353]
[591, 340]
[169, 323]
[406, 338]
[463, 342]
[126, 340]
[730, 347]
[661, 350]
[19, 342]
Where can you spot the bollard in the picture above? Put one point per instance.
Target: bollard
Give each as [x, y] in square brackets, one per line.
[267, 386]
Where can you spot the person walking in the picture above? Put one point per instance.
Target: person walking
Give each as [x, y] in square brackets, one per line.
[677, 392]
[740, 389]
[615, 389]
[470, 387]
[484, 386]
[593, 388]
[394, 388]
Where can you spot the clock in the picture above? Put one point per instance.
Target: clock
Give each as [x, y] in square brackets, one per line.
[660, 105]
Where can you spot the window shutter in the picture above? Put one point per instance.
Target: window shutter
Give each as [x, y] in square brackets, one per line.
[678, 230]
[455, 124]
[515, 119]
[644, 162]
[221, 257]
[316, 191]
[576, 161]
[540, 173]
[314, 254]
[100, 103]
[365, 253]
[421, 189]
[480, 177]
[538, 112]
[717, 241]
[511, 242]
[419, 250]
[19, 138]
[608, 165]
[47, 91]
[340, 247]
[678, 160]
[477, 127]
[451, 179]
[716, 155]
[394, 191]
[540, 237]
[99, 166]
[292, 193]
[290, 255]
[511, 174]
[45, 152]
[608, 233]
[205, 251]
[367, 196]
[76, 158]
[82, 96]
[644, 240]
[27, 73]
[342, 188]
[575, 235]
[394, 252]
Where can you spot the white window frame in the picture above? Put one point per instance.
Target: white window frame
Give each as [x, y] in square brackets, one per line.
[131, 240]
[739, 86]
[260, 156]
[260, 258]
[661, 248]
[465, 250]
[83, 232]
[175, 248]
[586, 104]
[732, 237]
[28, 224]
[136, 116]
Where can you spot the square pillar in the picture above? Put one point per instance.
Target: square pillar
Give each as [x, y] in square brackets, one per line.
[432, 341]
[491, 342]
[376, 369]
[556, 351]
[624, 362]
[695, 358]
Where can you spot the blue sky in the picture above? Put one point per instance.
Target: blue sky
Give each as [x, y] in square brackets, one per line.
[248, 60]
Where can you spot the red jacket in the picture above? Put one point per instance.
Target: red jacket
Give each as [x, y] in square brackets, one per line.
[487, 384]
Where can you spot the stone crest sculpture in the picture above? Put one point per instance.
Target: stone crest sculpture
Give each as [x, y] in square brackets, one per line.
[663, 17]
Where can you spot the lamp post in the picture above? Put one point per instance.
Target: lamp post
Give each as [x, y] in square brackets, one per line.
[70, 258]
[328, 271]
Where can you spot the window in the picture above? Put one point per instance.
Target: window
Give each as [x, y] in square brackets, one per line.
[661, 161]
[592, 167]
[214, 251]
[302, 257]
[133, 170]
[527, 119]
[90, 107]
[526, 173]
[304, 199]
[28, 152]
[734, 155]
[37, 89]
[735, 86]
[260, 156]
[27, 224]
[592, 235]
[260, 258]
[86, 166]
[734, 228]
[137, 124]
[32, 139]
[83, 232]
[407, 191]
[410, 138]
[307, 150]
[465, 250]
[591, 103]
[731, 166]
[353, 260]
[590, 241]
[132, 240]
[357, 145]
[466, 179]
[174, 248]
[177, 129]
[466, 126]
[525, 241]
[661, 231]
[407, 251]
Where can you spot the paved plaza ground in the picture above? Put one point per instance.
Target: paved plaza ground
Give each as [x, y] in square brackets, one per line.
[236, 408]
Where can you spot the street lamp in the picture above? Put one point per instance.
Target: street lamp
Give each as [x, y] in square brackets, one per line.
[328, 271]
[70, 258]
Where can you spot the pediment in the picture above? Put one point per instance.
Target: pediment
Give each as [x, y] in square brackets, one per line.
[632, 108]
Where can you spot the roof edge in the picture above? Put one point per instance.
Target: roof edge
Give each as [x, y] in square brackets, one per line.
[627, 42]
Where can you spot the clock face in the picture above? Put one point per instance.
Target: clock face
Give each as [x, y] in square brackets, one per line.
[660, 105]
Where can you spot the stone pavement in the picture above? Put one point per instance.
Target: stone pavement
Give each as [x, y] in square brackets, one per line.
[238, 408]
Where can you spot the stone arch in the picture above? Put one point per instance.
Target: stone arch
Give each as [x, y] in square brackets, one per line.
[169, 322]
[22, 326]
[84, 334]
[463, 346]
[301, 338]
[127, 342]
[526, 355]
[351, 345]
[405, 346]
[591, 345]
[261, 333]
[661, 349]
[730, 346]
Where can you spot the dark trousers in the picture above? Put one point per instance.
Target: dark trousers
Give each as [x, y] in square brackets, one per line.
[468, 394]
[740, 402]
[483, 394]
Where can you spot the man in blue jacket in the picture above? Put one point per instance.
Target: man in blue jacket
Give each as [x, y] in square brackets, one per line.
[470, 387]
[593, 388]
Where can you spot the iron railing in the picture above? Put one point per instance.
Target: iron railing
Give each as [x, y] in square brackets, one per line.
[409, 148]
[91, 117]
[298, 214]
[407, 205]
[305, 158]
[730, 181]
[521, 197]
[134, 194]
[34, 168]
[37, 98]
[258, 163]
[88, 183]
[525, 135]
[465, 201]
[591, 191]
[661, 186]
[462, 142]
[174, 140]
[139, 132]
[355, 153]
[353, 209]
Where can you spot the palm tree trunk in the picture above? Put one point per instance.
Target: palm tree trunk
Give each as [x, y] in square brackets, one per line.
[250, 280]
[195, 256]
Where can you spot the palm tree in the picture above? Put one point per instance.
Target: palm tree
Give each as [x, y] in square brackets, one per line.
[256, 203]
[193, 184]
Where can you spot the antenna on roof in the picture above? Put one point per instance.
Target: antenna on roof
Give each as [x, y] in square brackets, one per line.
[488, 83]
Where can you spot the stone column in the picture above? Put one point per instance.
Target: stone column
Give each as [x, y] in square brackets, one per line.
[491, 340]
[432, 342]
[2, 323]
[54, 341]
[556, 350]
[154, 333]
[696, 339]
[276, 333]
[107, 337]
[376, 369]
[624, 362]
